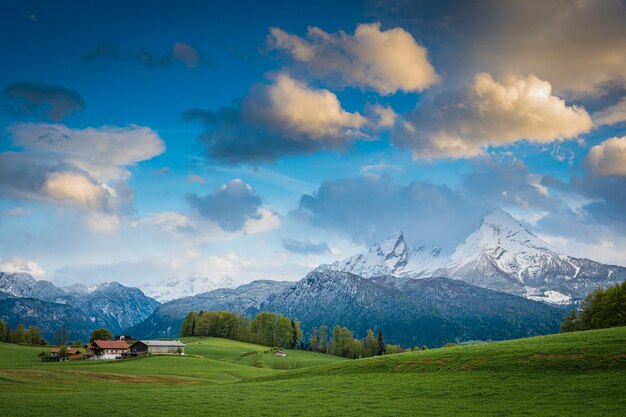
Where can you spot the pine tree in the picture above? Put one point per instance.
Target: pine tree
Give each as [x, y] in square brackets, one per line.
[18, 336]
[323, 335]
[570, 324]
[380, 350]
[3, 331]
[370, 345]
[33, 336]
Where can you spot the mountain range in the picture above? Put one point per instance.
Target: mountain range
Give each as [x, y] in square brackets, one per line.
[78, 307]
[501, 254]
[502, 282]
[429, 311]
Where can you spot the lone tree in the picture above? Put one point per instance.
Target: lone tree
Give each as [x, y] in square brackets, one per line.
[101, 334]
[381, 344]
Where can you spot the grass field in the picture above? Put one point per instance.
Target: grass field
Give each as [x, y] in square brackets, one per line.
[582, 374]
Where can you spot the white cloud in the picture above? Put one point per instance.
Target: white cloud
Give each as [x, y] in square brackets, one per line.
[100, 151]
[608, 158]
[73, 188]
[85, 168]
[102, 222]
[611, 115]
[21, 265]
[382, 116]
[385, 61]
[608, 248]
[491, 113]
[265, 222]
[291, 107]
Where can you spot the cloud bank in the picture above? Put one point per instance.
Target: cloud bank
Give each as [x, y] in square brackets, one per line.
[385, 61]
[487, 112]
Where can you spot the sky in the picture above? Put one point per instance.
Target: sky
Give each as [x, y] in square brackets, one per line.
[148, 141]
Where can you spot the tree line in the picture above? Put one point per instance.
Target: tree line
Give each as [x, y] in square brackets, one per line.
[21, 335]
[601, 309]
[269, 329]
[276, 330]
[343, 343]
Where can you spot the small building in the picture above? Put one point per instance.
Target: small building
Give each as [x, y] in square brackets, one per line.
[145, 347]
[72, 354]
[128, 339]
[280, 353]
[106, 349]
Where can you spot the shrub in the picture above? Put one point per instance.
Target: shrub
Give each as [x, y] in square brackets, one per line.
[258, 364]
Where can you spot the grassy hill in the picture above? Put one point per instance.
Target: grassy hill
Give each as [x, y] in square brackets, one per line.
[571, 374]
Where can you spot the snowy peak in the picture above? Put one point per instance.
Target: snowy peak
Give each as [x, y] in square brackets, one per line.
[501, 254]
[391, 256]
[185, 287]
[499, 232]
[393, 251]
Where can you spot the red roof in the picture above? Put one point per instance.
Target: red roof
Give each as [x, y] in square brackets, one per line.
[109, 344]
[69, 351]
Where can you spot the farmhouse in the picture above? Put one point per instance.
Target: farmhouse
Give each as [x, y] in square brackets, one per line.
[145, 347]
[72, 354]
[106, 349]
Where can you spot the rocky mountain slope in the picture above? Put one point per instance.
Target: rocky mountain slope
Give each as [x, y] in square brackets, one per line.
[49, 317]
[109, 305]
[501, 255]
[409, 311]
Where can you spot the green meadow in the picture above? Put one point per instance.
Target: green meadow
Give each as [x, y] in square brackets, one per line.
[582, 373]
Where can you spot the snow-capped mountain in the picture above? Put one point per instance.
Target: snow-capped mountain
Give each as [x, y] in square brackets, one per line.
[429, 311]
[185, 287]
[109, 304]
[501, 254]
[392, 256]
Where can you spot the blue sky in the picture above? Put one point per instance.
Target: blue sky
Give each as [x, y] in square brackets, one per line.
[254, 140]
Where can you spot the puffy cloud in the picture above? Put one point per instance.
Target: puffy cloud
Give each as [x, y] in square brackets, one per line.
[187, 54]
[234, 206]
[611, 115]
[382, 116]
[86, 168]
[384, 61]
[103, 152]
[608, 158]
[21, 265]
[580, 46]
[292, 108]
[490, 113]
[72, 187]
[305, 247]
[285, 117]
[34, 100]
[371, 207]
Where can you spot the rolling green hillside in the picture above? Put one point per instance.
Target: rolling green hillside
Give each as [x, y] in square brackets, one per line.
[580, 373]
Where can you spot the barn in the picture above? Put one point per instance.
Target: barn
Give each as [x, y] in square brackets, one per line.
[143, 347]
